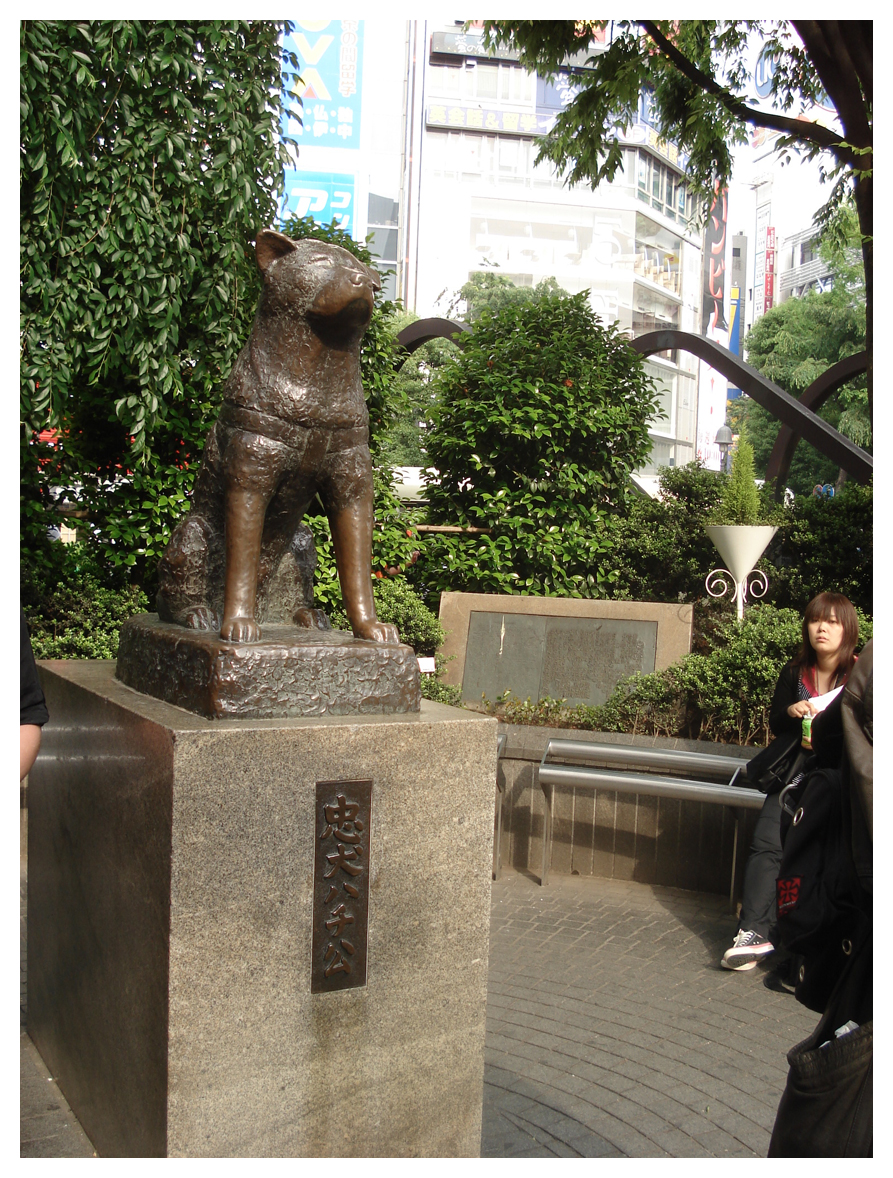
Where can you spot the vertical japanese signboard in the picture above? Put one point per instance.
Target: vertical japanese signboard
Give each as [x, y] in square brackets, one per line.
[769, 276]
[712, 386]
[341, 885]
[330, 66]
[713, 319]
[330, 69]
[764, 211]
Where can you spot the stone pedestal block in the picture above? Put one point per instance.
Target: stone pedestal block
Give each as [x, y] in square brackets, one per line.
[290, 672]
[172, 866]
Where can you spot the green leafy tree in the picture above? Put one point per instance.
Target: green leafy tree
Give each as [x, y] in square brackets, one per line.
[696, 72]
[487, 291]
[795, 342]
[150, 156]
[403, 441]
[539, 422]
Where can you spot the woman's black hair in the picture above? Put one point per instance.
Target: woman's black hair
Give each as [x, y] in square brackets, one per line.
[820, 609]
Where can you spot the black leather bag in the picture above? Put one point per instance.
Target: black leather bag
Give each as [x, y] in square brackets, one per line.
[825, 1111]
[776, 765]
[824, 913]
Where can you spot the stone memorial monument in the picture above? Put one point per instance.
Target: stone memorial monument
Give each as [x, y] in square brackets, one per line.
[259, 862]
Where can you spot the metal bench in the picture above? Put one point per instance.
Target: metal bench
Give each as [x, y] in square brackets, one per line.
[641, 780]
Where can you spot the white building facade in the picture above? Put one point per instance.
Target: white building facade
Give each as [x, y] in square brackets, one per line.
[476, 201]
[416, 139]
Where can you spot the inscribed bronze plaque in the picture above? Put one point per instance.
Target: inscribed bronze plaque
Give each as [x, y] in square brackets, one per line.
[580, 660]
[341, 885]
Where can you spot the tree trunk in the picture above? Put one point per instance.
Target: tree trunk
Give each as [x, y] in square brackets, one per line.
[863, 189]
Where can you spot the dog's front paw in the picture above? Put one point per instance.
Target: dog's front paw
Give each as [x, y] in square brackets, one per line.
[377, 632]
[240, 630]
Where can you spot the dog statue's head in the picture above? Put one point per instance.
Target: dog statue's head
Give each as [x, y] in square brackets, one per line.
[315, 280]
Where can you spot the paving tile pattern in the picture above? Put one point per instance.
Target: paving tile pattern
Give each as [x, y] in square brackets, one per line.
[612, 1031]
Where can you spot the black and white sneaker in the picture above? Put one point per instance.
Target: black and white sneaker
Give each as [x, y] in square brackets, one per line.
[746, 950]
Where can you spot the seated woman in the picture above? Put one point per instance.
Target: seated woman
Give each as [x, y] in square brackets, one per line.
[825, 659]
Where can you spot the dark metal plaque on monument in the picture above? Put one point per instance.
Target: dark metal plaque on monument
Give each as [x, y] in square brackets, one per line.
[580, 660]
[341, 885]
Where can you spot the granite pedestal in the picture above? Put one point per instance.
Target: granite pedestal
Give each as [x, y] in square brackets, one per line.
[170, 882]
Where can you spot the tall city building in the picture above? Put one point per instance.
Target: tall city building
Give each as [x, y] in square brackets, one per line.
[417, 139]
[475, 200]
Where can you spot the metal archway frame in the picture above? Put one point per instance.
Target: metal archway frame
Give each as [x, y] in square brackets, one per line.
[423, 330]
[792, 413]
[798, 417]
[813, 397]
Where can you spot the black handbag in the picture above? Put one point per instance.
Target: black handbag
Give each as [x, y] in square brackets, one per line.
[778, 763]
[825, 1111]
[823, 911]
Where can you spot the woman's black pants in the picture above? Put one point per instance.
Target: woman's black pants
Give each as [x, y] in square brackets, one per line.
[758, 901]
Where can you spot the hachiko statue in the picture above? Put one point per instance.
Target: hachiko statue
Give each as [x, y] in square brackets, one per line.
[293, 425]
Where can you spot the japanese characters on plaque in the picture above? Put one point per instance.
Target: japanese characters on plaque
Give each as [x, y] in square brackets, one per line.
[341, 885]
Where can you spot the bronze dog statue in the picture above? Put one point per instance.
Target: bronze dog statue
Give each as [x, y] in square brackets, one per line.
[293, 425]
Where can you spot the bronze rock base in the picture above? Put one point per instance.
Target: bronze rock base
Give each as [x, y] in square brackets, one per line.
[290, 672]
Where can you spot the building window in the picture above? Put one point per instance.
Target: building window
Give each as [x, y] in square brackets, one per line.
[383, 240]
[482, 80]
[658, 255]
[662, 188]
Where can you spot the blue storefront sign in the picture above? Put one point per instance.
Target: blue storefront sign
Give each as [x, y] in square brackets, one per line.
[324, 196]
[330, 66]
[736, 308]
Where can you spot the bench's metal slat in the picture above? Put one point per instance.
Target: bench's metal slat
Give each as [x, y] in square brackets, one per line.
[635, 755]
[651, 785]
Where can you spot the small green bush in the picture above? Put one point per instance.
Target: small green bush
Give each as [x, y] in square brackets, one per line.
[434, 688]
[741, 499]
[661, 551]
[73, 608]
[825, 544]
[397, 602]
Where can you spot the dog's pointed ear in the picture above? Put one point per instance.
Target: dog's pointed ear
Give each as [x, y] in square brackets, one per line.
[271, 245]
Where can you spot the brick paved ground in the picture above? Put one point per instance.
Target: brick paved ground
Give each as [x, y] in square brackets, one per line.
[611, 1031]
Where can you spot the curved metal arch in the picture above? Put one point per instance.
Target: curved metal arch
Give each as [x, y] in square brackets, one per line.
[813, 397]
[423, 330]
[789, 411]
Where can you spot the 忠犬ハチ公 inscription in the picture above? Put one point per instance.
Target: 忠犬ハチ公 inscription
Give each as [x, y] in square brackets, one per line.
[341, 885]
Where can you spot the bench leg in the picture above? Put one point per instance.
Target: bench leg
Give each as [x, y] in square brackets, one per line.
[497, 843]
[739, 852]
[548, 793]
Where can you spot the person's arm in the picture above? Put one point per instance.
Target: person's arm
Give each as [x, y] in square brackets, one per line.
[32, 705]
[858, 727]
[785, 696]
[29, 745]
